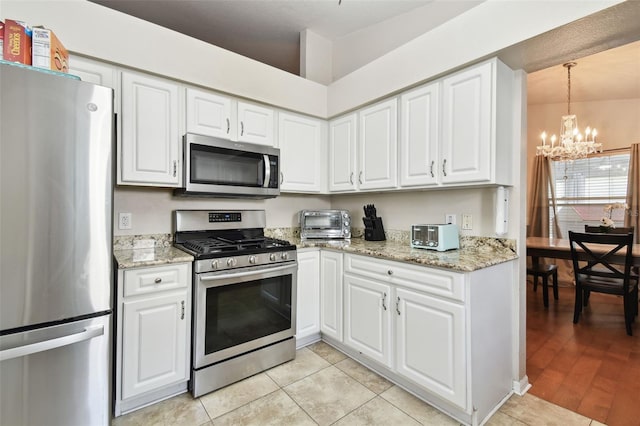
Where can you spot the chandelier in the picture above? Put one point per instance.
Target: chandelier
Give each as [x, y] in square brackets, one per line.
[572, 144]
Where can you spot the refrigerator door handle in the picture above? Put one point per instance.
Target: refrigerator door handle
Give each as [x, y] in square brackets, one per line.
[20, 351]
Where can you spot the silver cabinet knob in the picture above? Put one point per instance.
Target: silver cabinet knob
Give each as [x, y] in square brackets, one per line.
[252, 260]
[158, 280]
[390, 272]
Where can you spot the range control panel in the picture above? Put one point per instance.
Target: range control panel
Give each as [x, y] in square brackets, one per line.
[225, 217]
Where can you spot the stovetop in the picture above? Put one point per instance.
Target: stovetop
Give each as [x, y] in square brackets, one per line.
[216, 246]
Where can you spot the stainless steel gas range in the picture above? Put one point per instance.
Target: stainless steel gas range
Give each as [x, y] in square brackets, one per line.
[244, 287]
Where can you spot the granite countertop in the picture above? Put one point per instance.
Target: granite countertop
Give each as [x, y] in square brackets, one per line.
[151, 256]
[475, 253]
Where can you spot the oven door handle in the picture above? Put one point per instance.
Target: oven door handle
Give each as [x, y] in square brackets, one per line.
[267, 170]
[245, 274]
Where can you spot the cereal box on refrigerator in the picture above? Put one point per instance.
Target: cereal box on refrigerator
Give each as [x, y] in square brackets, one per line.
[1, 39]
[17, 42]
[47, 51]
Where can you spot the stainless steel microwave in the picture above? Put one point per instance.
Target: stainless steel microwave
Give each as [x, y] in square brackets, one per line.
[325, 224]
[218, 167]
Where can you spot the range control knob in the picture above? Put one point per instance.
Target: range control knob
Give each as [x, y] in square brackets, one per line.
[272, 257]
[284, 256]
[214, 264]
[252, 260]
[231, 262]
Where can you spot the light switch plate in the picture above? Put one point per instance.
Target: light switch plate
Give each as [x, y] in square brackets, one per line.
[467, 222]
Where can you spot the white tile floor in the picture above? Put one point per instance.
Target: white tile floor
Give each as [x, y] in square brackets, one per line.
[322, 386]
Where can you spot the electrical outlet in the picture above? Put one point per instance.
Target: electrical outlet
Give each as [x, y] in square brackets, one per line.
[124, 220]
[450, 218]
[467, 222]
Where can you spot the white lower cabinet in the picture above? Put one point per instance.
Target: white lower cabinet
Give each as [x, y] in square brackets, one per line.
[443, 335]
[153, 329]
[308, 295]
[367, 318]
[331, 285]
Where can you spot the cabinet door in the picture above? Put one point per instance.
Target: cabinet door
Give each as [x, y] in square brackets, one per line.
[308, 290]
[151, 144]
[419, 136]
[154, 340]
[208, 113]
[331, 274]
[92, 71]
[377, 146]
[466, 126]
[343, 138]
[430, 344]
[367, 318]
[300, 143]
[255, 124]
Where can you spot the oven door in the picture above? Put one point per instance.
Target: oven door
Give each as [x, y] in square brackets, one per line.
[237, 312]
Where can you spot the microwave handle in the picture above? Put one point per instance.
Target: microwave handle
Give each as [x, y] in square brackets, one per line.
[267, 171]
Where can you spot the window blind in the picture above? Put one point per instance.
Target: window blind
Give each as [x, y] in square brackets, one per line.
[585, 187]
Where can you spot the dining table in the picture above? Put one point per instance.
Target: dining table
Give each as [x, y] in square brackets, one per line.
[559, 248]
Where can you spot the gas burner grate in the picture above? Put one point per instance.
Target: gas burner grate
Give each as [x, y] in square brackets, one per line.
[209, 245]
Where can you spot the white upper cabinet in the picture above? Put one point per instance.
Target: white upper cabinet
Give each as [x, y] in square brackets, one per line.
[419, 136]
[476, 125]
[343, 163]
[208, 113]
[466, 125]
[377, 147]
[93, 71]
[255, 124]
[150, 146]
[300, 140]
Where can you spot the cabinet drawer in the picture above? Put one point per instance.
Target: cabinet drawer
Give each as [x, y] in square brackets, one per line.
[158, 278]
[434, 281]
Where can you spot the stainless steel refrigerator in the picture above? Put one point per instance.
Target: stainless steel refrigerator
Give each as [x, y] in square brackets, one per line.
[56, 283]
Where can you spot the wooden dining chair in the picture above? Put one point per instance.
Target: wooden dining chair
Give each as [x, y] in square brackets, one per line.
[594, 271]
[544, 271]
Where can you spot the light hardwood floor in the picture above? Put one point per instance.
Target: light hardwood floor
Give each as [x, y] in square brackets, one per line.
[593, 367]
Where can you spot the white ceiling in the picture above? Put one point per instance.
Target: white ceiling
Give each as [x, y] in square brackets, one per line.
[269, 31]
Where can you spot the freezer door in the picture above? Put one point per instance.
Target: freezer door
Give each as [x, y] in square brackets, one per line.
[55, 198]
[57, 375]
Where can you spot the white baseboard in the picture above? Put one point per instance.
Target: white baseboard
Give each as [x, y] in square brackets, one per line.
[521, 387]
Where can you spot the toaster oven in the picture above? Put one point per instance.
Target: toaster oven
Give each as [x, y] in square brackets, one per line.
[439, 237]
[325, 224]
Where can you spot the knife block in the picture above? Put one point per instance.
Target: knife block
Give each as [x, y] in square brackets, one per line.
[373, 229]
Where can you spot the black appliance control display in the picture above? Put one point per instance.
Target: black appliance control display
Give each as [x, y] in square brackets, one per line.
[225, 217]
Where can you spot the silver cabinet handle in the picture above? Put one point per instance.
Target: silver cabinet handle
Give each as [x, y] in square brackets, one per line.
[241, 128]
[444, 163]
[398, 306]
[175, 168]
[281, 178]
[182, 310]
[431, 169]
[228, 126]
[360, 178]
[158, 280]
[33, 348]
[384, 297]
[390, 272]
[351, 178]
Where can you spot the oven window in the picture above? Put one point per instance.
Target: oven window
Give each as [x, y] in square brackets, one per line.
[323, 222]
[219, 166]
[240, 313]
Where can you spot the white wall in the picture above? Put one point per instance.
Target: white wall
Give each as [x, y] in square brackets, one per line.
[152, 208]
